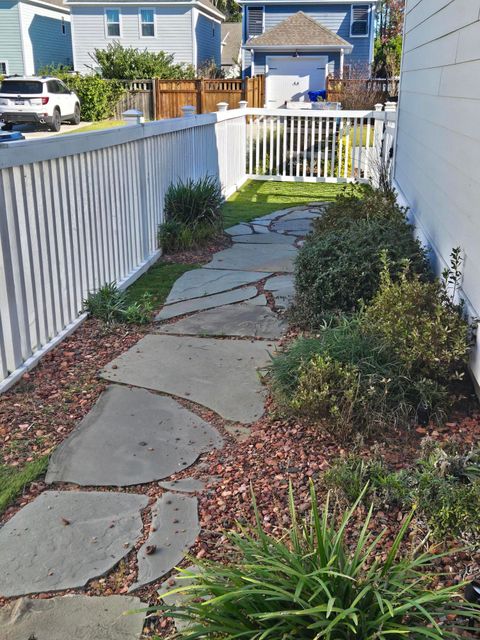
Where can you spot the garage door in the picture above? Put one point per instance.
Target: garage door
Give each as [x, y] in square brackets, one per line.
[290, 78]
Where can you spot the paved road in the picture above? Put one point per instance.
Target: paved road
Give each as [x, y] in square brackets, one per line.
[32, 132]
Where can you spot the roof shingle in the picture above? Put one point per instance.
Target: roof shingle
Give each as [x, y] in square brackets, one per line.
[296, 31]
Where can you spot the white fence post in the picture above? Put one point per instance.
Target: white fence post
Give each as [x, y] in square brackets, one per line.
[188, 110]
[222, 106]
[243, 104]
[133, 116]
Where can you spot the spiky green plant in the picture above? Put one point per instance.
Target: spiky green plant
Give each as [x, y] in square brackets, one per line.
[309, 584]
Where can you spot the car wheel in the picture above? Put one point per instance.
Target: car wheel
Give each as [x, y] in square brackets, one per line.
[8, 126]
[56, 121]
[76, 115]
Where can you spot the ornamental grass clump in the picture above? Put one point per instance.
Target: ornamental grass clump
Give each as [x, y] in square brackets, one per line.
[314, 583]
[111, 305]
[193, 214]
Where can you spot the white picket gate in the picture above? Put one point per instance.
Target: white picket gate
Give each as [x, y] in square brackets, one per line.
[78, 211]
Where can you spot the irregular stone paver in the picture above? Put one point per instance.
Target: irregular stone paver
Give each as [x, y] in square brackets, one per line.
[174, 530]
[261, 228]
[239, 229]
[265, 238]
[72, 618]
[64, 539]
[185, 485]
[302, 215]
[179, 366]
[131, 436]
[206, 282]
[295, 227]
[180, 598]
[244, 319]
[244, 257]
[282, 289]
[207, 302]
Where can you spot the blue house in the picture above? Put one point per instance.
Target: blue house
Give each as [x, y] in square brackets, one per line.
[33, 34]
[296, 45]
[188, 29]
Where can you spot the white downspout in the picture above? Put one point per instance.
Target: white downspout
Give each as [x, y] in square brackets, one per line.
[252, 63]
[342, 62]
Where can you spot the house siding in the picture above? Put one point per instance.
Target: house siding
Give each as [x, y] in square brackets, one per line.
[43, 39]
[438, 142]
[337, 18]
[173, 32]
[10, 38]
[208, 35]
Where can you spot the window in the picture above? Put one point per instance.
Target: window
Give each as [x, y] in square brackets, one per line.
[254, 21]
[112, 17]
[64, 27]
[21, 87]
[360, 19]
[3, 68]
[147, 23]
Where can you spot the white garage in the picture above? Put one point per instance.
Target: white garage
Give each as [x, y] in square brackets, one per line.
[291, 78]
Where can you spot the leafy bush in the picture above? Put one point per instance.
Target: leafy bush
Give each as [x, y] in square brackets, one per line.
[112, 305]
[423, 328]
[128, 63]
[193, 214]
[358, 202]
[309, 584]
[339, 269]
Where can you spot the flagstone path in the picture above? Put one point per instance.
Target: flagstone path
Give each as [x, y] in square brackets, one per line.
[212, 339]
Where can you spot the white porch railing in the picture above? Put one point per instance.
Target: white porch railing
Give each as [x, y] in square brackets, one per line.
[81, 210]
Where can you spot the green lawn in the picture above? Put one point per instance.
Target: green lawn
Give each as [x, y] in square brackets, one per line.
[257, 198]
[97, 126]
[14, 480]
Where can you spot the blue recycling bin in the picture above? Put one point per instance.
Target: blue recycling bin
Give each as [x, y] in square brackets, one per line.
[315, 95]
[11, 136]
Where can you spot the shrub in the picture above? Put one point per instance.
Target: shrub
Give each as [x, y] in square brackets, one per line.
[421, 325]
[109, 304]
[128, 63]
[310, 584]
[193, 214]
[341, 268]
[358, 202]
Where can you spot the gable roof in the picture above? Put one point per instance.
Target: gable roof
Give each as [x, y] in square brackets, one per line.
[231, 42]
[298, 30]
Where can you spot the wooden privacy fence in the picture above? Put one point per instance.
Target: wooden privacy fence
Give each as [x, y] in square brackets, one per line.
[139, 95]
[77, 212]
[204, 95]
[361, 93]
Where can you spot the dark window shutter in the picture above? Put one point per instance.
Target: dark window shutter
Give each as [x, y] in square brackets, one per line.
[255, 21]
[360, 20]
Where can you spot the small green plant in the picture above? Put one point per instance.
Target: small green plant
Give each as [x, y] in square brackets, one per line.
[422, 326]
[193, 214]
[310, 584]
[110, 305]
[340, 269]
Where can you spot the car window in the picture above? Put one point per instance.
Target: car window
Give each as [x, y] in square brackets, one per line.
[62, 88]
[52, 86]
[21, 87]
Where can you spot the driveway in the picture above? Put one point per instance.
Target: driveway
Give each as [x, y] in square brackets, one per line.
[32, 132]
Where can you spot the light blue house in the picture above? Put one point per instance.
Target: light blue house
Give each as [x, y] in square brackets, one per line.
[298, 44]
[33, 34]
[188, 29]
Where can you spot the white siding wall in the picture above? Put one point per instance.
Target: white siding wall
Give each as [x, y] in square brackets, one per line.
[438, 144]
[173, 32]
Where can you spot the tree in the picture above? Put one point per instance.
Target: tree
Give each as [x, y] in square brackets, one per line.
[388, 42]
[231, 9]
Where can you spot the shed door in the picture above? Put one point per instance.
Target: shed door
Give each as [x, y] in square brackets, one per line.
[290, 78]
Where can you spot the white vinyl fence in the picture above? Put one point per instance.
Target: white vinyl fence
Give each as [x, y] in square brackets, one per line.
[81, 210]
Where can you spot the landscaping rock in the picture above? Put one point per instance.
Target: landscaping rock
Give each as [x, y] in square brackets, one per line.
[264, 238]
[62, 540]
[185, 485]
[206, 282]
[208, 302]
[282, 289]
[173, 531]
[301, 215]
[239, 432]
[72, 618]
[178, 366]
[131, 436]
[247, 319]
[271, 257]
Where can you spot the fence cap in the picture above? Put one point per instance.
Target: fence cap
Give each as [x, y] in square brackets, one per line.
[132, 113]
[379, 106]
[243, 104]
[188, 110]
[222, 106]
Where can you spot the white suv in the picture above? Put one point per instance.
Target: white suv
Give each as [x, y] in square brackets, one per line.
[42, 100]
